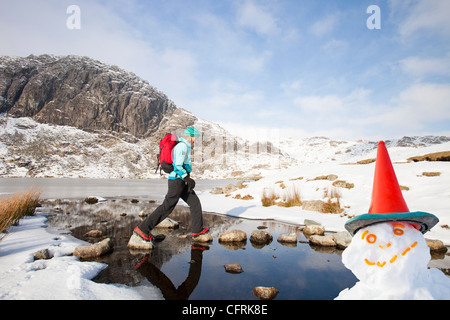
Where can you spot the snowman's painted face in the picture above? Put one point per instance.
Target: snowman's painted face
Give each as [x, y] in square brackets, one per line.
[398, 230]
[387, 253]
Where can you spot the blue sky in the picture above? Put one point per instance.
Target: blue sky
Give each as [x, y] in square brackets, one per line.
[305, 68]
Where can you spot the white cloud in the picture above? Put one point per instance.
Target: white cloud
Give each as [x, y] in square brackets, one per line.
[422, 15]
[411, 112]
[421, 67]
[422, 103]
[335, 44]
[333, 105]
[320, 105]
[255, 62]
[325, 25]
[256, 17]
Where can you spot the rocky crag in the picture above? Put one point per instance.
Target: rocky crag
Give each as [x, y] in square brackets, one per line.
[80, 92]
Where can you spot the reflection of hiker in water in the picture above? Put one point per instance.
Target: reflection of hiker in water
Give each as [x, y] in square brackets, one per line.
[159, 279]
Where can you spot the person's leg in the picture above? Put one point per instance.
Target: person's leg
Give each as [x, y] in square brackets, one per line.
[174, 192]
[195, 208]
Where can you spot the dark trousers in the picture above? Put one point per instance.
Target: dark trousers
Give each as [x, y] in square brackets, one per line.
[177, 189]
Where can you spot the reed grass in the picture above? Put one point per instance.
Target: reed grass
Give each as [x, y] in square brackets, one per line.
[15, 207]
[291, 198]
[268, 198]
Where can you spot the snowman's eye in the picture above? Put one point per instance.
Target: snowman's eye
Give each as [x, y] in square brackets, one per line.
[371, 238]
[397, 230]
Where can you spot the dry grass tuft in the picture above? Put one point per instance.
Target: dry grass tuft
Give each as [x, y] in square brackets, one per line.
[268, 198]
[291, 198]
[332, 206]
[17, 206]
[431, 174]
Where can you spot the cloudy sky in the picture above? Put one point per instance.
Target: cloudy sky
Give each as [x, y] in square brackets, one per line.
[305, 68]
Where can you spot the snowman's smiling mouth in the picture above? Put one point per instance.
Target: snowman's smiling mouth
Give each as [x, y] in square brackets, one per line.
[383, 263]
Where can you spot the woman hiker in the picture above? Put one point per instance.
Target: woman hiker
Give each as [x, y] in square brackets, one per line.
[180, 186]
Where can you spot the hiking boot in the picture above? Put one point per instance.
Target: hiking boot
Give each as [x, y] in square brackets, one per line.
[140, 240]
[202, 236]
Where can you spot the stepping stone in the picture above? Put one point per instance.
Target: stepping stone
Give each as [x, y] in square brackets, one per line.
[138, 244]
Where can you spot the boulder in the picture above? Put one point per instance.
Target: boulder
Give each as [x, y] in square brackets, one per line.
[136, 243]
[91, 200]
[42, 255]
[142, 214]
[93, 234]
[217, 190]
[342, 239]
[288, 237]
[203, 238]
[325, 241]
[307, 222]
[436, 245]
[314, 229]
[312, 205]
[94, 250]
[229, 188]
[265, 293]
[168, 223]
[233, 236]
[261, 237]
[233, 268]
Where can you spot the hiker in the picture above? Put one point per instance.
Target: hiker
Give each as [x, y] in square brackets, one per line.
[180, 185]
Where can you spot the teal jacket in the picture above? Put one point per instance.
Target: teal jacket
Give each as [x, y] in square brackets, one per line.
[182, 163]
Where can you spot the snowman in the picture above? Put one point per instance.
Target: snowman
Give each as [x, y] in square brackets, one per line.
[388, 253]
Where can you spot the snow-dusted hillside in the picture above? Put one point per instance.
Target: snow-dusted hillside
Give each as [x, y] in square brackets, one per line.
[32, 149]
[322, 149]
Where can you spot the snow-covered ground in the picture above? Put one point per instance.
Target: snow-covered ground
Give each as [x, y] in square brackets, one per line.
[63, 277]
[429, 194]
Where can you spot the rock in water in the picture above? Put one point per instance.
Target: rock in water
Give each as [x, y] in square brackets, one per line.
[233, 236]
[314, 229]
[94, 250]
[288, 237]
[233, 268]
[168, 223]
[261, 237]
[137, 243]
[265, 293]
[203, 238]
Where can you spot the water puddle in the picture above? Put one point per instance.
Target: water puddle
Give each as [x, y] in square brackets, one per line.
[183, 270]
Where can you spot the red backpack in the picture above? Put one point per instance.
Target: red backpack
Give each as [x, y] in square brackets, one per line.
[165, 153]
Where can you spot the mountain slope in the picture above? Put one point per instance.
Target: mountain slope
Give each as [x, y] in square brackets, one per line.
[82, 93]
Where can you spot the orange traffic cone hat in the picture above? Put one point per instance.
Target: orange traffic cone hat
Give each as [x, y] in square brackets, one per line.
[386, 194]
[388, 204]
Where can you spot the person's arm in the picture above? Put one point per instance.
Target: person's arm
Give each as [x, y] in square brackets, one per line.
[179, 156]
